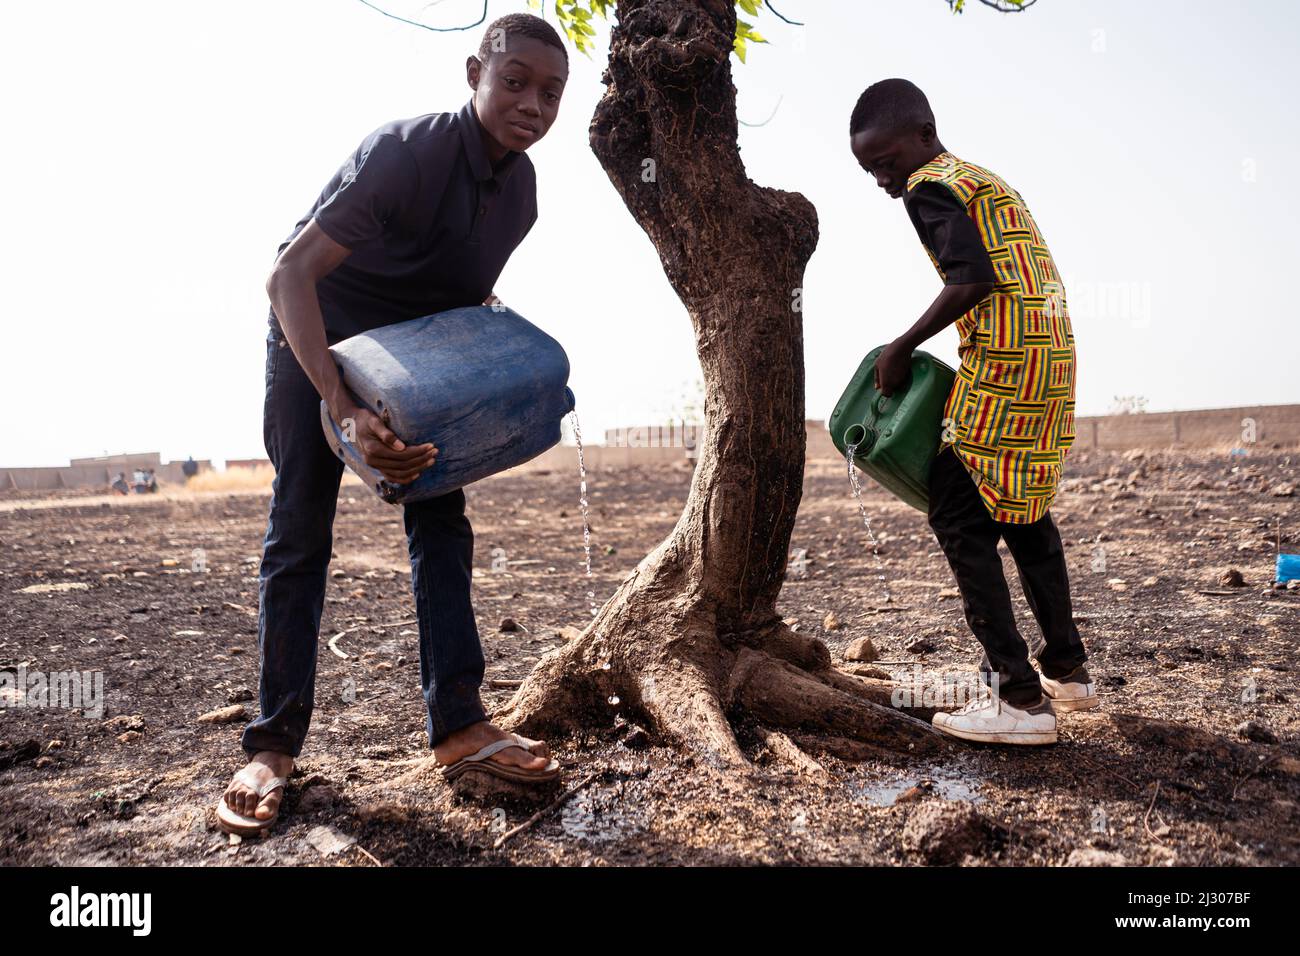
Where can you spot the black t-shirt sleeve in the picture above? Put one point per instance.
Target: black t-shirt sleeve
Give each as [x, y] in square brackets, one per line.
[947, 230]
[379, 180]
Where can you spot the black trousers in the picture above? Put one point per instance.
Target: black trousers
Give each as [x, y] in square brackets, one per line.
[969, 538]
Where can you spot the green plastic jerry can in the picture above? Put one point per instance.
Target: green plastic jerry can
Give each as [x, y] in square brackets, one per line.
[896, 437]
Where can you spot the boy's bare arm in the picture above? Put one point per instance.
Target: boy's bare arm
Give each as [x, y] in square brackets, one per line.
[951, 304]
[292, 290]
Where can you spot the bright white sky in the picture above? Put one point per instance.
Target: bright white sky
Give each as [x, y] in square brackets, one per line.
[159, 152]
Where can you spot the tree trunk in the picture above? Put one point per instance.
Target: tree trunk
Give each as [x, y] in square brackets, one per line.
[691, 639]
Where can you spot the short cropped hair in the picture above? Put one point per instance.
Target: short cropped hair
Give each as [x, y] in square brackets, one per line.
[890, 104]
[519, 25]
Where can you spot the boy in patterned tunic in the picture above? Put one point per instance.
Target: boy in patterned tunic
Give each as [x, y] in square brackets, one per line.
[1009, 420]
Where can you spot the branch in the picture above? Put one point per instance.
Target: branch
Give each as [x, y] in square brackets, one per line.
[793, 23]
[414, 23]
[500, 841]
[1002, 6]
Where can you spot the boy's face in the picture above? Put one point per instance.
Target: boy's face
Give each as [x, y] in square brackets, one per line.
[891, 155]
[517, 92]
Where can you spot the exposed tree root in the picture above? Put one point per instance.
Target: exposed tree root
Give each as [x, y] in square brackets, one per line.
[787, 752]
[850, 751]
[685, 688]
[781, 695]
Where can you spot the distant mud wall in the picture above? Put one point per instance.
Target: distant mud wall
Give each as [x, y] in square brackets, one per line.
[1265, 426]
[94, 474]
[1211, 428]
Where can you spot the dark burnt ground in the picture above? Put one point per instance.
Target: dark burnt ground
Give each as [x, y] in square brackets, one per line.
[1146, 536]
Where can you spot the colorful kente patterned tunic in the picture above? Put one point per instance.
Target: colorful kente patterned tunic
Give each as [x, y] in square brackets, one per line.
[1010, 415]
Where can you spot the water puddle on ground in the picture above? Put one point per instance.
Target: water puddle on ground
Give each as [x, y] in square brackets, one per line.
[605, 814]
[883, 787]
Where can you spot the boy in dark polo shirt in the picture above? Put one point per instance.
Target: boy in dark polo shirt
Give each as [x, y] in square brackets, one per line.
[420, 219]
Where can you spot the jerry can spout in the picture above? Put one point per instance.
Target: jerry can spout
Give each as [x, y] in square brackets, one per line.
[859, 435]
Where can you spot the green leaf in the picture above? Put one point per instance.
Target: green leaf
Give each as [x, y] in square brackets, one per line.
[745, 33]
[574, 20]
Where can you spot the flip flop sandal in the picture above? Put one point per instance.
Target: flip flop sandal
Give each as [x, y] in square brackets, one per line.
[479, 762]
[527, 743]
[232, 822]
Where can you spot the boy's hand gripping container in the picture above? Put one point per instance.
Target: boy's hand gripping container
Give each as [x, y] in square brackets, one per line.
[485, 386]
[896, 437]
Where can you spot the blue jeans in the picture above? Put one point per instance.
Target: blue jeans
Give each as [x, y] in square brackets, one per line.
[295, 562]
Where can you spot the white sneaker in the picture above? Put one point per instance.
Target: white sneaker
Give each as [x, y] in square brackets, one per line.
[994, 721]
[1074, 691]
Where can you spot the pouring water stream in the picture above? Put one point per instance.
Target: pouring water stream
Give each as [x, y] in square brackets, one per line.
[866, 520]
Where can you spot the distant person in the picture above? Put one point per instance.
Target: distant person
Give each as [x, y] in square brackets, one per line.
[190, 468]
[1009, 420]
[140, 481]
[420, 219]
[119, 484]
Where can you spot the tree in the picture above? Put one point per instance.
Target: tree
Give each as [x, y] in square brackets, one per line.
[690, 641]
[691, 638]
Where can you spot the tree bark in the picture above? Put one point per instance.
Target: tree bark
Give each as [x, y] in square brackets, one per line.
[691, 640]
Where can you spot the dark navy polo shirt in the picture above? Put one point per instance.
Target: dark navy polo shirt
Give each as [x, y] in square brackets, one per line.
[430, 223]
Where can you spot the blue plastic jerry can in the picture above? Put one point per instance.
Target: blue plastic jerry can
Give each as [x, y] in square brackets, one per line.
[484, 385]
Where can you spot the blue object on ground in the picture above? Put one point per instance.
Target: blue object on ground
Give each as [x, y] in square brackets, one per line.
[1288, 567]
[485, 386]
